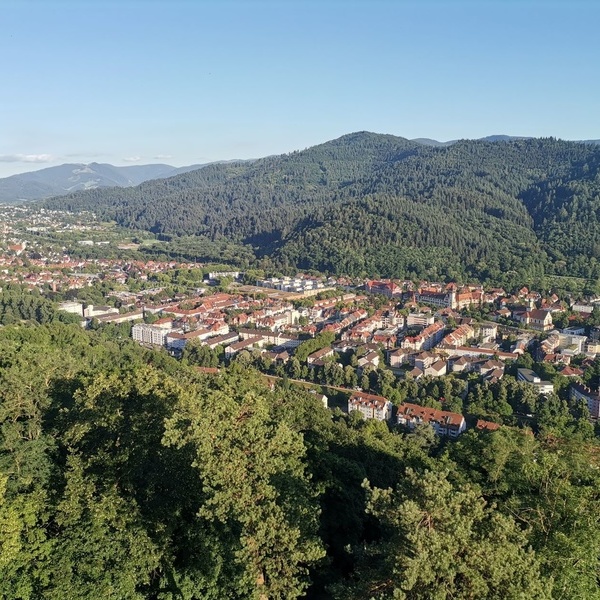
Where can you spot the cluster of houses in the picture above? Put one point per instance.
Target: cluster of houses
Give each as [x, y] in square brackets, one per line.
[450, 424]
[432, 293]
[304, 284]
[210, 321]
[60, 272]
[425, 342]
[420, 331]
[444, 423]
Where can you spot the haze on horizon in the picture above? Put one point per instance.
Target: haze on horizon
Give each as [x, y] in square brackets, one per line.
[185, 82]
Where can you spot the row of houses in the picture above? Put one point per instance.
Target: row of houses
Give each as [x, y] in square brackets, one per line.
[427, 339]
[445, 423]
[427, 363]
[163, 334]
[297, 285]
[435, 294]
[450, 424]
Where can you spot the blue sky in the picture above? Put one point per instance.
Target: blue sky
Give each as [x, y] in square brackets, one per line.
[192, 81]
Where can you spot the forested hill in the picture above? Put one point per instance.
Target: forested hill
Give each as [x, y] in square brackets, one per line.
[127, 475]
[379, 204]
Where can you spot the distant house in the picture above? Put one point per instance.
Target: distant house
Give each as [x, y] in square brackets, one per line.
[483, 368]
[541, 320]
[494, 376]
[571, 372]
[386, 287]
[444, 423]
[154, 335]
[425, 340]
[467, 297]
[75, 308]
[99, 311]
[488, 332]
[370, 406]
[222, 340]
[370, 359]
[582, 308]
[398, 357]
[592, 347]
[317, 359]
[419, 319]
[415, 373]
[482, 425]
[459, 336]
[321, 397]
[458, 365]
[424, 360]
[245, 344]
[530, 377]
[578, 391]
[437, 369]
[436, 297]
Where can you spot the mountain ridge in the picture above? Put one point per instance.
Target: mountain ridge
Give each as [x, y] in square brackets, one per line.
[71, 177]
[370, 203]
[491, 138]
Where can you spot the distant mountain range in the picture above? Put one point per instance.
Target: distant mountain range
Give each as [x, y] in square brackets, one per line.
[69, 178]
[489, 138]
[504, 210]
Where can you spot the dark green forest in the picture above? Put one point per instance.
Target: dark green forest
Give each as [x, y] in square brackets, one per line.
[370, 204]
[126, 474]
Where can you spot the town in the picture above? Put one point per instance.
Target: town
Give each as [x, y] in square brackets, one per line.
[409, 353]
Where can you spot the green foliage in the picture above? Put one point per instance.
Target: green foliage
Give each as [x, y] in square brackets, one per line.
[364, 204]
[322, 340]
[126, 474]
[112, 486]
[197, 353]
[253, 476]
[20, 304]
[549, 486]
[442, 543]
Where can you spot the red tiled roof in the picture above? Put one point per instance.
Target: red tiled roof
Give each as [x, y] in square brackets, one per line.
[428, 414]
[486, 425]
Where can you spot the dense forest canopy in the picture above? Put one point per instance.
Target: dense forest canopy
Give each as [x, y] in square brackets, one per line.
[125, 474]
[378, 204]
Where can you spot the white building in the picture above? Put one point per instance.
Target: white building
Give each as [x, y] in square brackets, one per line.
[75, 308]
[321, 397]
[96, 311]
[149, 334]
[419, 319]
[528, 376]
[370, 406]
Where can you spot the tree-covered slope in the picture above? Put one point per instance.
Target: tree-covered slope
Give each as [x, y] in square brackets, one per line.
[125, 474]
[382, 204]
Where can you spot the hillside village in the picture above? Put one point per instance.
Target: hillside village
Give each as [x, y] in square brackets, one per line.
[369, 341]
[370, 376]
[300, 300]
[416, 334]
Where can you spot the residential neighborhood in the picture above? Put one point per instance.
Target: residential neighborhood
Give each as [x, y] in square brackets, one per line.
[373, 338]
